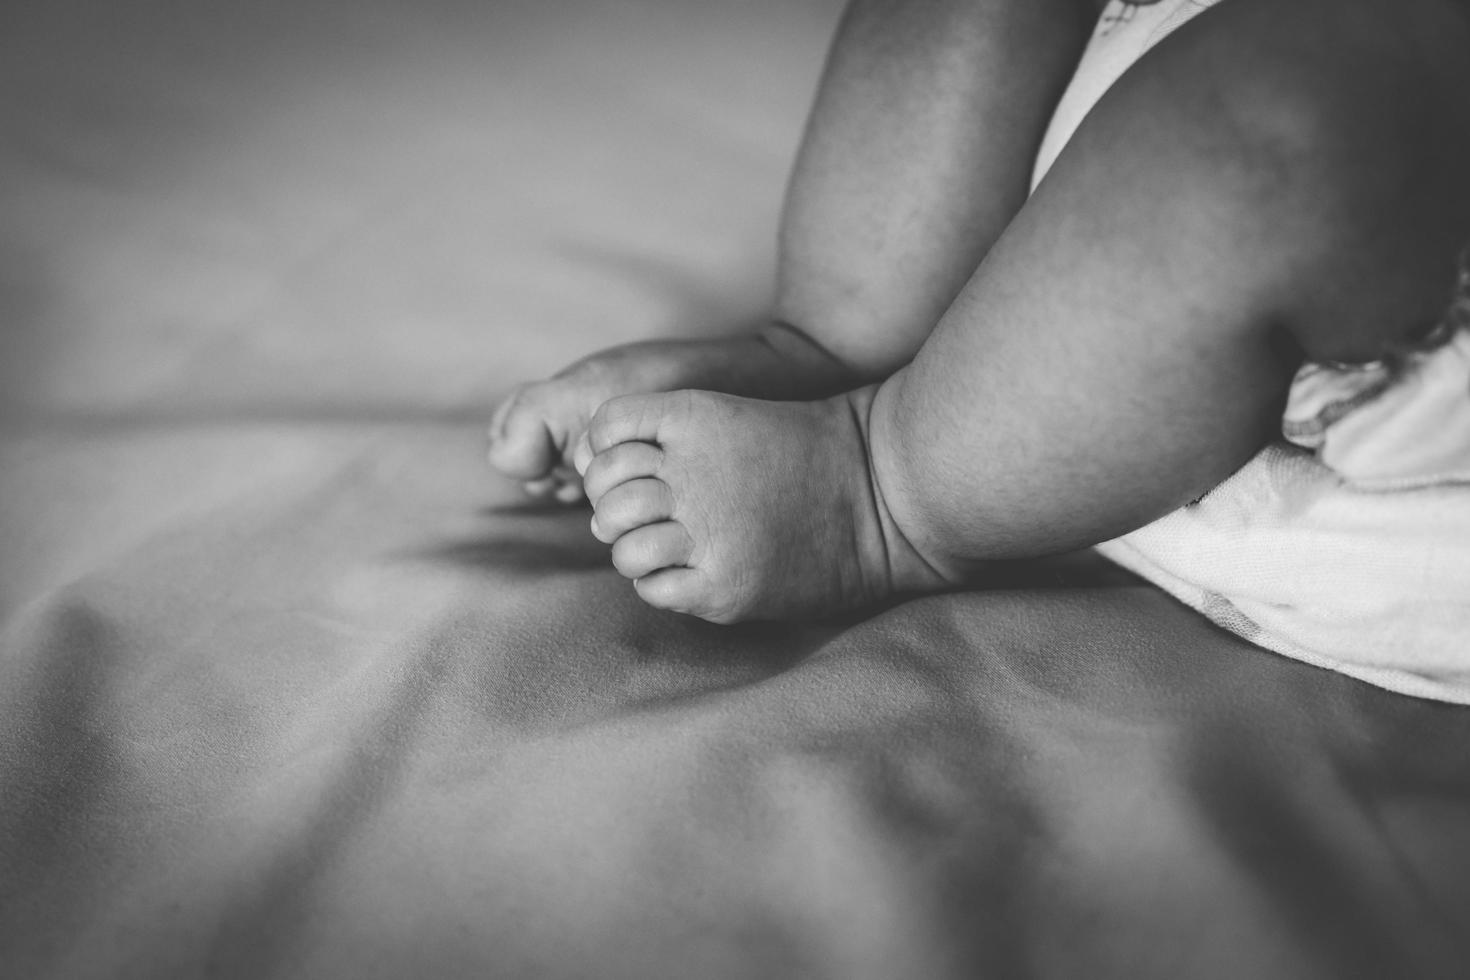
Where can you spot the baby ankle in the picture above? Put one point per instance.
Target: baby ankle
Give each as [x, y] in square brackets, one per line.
[908, 567]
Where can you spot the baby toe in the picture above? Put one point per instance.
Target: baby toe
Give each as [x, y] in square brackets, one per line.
[582, 453]
[623, 462]
[569, 492]
[631, 505]
[501, 414]
[674, 589]
[652, 547]
[566, 485]
[627, 418]
[540, 489]
[688, 590]
[521, 445]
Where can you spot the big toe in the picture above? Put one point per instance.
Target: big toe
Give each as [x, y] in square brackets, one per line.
[521, 445]
[647, 549]
[631, 505]
[685, 590]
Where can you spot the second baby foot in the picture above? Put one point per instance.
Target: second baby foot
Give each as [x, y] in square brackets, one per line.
[535, 429]
[731, 508]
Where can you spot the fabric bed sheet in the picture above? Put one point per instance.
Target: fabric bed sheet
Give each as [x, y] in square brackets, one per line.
[292, 686]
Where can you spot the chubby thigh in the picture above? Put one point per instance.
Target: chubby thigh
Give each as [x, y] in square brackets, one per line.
[1272, 183]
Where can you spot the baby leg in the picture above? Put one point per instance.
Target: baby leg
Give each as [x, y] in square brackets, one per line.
[1242, 197]
[917, 153]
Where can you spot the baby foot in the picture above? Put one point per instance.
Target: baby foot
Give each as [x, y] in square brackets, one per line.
[730, 508]
[535, 430]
